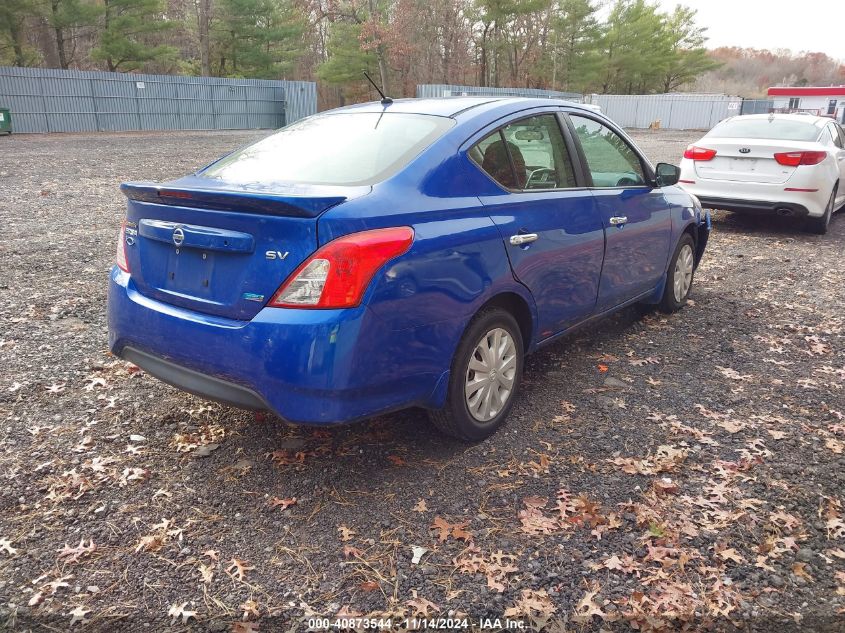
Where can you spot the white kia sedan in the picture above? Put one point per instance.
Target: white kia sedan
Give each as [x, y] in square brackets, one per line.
[784, 164]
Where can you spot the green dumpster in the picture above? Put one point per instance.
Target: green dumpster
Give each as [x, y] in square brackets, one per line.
[5, 121]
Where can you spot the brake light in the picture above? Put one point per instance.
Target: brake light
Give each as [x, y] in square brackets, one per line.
[699, 153]
[120, 256]
[337, 275]
[793, 159]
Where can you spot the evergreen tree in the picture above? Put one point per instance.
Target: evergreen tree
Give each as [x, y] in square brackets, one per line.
[346, 57]
[64, 16]
[127, 27]
[576, 41]
[689, 58]
[256, 38]
[13, 47]
[637, 51]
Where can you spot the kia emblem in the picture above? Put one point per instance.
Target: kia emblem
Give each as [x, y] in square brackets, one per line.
[744, 150]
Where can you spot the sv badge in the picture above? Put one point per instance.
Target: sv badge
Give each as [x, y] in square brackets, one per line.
[276, 255]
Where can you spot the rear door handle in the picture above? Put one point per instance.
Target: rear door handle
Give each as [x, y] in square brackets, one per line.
[618, 220]
[523, 238]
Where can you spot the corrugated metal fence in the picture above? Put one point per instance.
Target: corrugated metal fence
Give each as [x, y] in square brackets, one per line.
[674, 111]
[447, 90]
[50, 100]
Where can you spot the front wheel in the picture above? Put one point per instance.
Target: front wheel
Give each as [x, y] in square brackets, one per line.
[485, 377]
[680, 275]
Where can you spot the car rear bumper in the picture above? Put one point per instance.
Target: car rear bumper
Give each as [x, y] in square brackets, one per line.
[803, 194]
[760, 207]
[307, 366]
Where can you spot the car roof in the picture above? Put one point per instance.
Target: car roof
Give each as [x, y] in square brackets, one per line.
[453, 106]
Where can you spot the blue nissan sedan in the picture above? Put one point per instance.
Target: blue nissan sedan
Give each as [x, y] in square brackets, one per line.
[397, 254]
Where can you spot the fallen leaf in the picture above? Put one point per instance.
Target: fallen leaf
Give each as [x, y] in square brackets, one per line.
[206, 572]
[800, 570]
[417, 552]
[73, 554]
[446, 529]
[420, 506]
[238, 568]
[250, 608]
[178, 611]
[421, 606]
[284, 504]
[731, 554]
[587, 608]
[78, 615]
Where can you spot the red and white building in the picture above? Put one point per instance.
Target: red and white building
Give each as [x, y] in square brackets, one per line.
[822, 100]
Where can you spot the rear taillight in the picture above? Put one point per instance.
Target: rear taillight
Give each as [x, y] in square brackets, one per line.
[793, 159]
[120, 257]
[699, 153]
[337, 275]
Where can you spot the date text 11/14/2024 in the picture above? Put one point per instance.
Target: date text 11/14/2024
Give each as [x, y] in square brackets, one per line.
[416, 624]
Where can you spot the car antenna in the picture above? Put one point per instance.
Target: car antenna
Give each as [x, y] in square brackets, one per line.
[385, 100]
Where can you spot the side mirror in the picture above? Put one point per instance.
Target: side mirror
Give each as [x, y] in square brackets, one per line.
[667, 175]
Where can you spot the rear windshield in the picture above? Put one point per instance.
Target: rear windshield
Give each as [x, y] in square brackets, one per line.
[339, 149]
[781, 129]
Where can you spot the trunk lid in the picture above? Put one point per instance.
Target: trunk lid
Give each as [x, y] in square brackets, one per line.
[747, 160]
[200, 245]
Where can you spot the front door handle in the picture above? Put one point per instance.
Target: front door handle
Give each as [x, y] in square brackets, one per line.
[523, 238]
[618, 220]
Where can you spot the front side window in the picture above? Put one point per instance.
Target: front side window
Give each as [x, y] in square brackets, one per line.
[610, 160]
[527, 154]
[358, 148]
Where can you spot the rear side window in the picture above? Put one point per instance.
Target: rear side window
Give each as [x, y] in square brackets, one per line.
[767, 128]
[611, 161]
[835, 134]
[829, 137]
[359, 148]
[527, 154]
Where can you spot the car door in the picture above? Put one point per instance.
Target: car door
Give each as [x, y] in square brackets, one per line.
[549, 223]
[635, 214]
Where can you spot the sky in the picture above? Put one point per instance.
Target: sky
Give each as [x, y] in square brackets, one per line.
[770, 24]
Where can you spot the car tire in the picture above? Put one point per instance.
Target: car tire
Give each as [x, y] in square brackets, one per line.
[820, 225]
[680, 275]
[493, 344]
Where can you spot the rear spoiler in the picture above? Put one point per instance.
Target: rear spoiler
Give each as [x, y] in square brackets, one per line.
[305, 206]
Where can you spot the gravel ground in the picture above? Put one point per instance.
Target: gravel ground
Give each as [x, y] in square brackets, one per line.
[658, 473]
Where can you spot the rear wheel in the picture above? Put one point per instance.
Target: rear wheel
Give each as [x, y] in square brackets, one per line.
[680, 275]
[485, 377]
[820, 225]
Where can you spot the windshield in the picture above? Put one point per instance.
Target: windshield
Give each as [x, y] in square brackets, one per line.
[339, 149]
[781, 129]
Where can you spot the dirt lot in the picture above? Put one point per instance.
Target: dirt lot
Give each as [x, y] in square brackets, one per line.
[657, 472]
